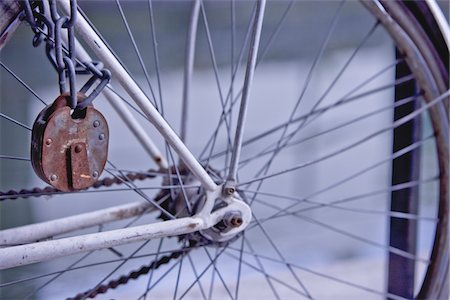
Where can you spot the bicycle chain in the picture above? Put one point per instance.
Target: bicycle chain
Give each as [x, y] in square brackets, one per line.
[49, 191]
[143, 270]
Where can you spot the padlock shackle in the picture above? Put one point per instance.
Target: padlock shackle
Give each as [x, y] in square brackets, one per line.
[104, 80]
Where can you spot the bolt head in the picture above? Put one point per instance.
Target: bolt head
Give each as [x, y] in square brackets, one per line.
[101, 137]
[229, 191]
[96, 123]
[236, 221]
[53, 177]
[233, 219]
[48, 142]
[78, 148]
[95, 174]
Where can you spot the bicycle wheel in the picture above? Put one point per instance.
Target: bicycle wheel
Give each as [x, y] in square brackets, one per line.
[316, 158]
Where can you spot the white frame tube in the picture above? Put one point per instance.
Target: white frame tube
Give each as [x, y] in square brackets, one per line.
[32, 253]
[41, 251]
[44, 230]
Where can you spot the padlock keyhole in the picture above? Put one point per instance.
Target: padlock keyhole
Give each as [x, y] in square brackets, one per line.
[78, 114]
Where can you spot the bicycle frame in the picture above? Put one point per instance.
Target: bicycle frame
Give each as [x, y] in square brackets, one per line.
[37, 252]
[205, 218]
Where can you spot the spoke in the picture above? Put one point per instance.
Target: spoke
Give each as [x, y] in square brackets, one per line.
[117, 69]
[344, 100]
[93, 290]
[194, 270]
[136, 49]
[326, 276]
[272, 243]
[262, 270]
[203, 272]
[346, 64]
[89, 266]
[133, 187]
[275, 32]
[238, 277]
[22, 83]
[271, 149]
[216, 76]
[211, 285]
[150, 172]
[309, 76]
[180, 182]
[256, 256]
[15, 121]
[167, 272]
[13, 158]
[152, 271]
[391, 249]
[283, 140]
[48, 282]
[135, 109]
[156, 55]
[216, 271]
[264, 51]
[280, 145]
[212, 140]
[352, 176]
[335, 203]
[347, 234]
[161, 278]
[178, 275]
[395, 124]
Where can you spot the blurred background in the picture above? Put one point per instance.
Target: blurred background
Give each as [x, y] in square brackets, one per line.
[278, 82]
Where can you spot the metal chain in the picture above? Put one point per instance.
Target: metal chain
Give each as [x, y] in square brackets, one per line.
[65, 64]
[105, 182]
[49, 29]
[143, 270]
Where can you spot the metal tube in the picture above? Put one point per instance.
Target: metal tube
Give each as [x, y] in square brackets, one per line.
[253, 53]
[47, 250]
[37, 252]
[101, 50]
[189, 66]
[44, 230]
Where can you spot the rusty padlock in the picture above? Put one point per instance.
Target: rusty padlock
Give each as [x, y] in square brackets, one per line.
[69, 150]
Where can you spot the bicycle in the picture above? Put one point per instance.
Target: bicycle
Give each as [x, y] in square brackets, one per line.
[221, 206]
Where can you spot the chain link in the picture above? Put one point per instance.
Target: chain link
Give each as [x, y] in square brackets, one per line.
[105, 182]
[143, 270]
[48, 26]
[65, 63]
